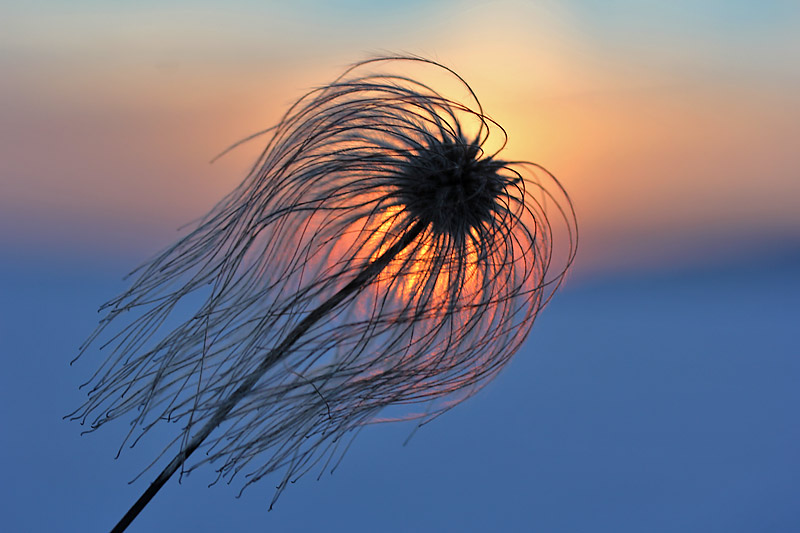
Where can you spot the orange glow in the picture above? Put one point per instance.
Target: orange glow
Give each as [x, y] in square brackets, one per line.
[412, 269]
[106, 146]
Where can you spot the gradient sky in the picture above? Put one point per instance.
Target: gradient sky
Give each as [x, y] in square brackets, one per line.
[673, 126]
[658, 391]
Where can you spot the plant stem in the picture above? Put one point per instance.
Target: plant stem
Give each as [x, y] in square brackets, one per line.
[276, 354]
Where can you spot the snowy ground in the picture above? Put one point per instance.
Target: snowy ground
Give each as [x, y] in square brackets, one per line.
[655, 402]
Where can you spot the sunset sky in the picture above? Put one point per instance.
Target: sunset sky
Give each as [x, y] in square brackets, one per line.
[673, 126]
[657, 392]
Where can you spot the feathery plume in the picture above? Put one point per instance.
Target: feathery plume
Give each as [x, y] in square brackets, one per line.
[377, 255]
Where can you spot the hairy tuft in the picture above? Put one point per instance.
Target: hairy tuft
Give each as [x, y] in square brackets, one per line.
[350, 170]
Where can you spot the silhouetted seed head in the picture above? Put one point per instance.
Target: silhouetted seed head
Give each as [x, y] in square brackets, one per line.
[379, 254]
[448, 186]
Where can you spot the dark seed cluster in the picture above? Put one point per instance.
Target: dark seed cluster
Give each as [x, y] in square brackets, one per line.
[450, 187]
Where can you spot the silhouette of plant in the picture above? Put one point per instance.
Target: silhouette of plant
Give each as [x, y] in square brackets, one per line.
[377, 255]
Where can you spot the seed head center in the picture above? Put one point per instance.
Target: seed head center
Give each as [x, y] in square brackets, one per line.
[451, 188]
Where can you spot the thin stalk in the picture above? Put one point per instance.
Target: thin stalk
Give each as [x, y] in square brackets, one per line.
[274, 355]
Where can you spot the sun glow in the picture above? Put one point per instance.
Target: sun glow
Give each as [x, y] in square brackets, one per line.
[423, 264]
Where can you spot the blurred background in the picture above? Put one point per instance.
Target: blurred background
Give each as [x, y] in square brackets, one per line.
[658, 391]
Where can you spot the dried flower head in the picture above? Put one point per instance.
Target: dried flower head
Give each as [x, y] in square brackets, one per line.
[377, 255]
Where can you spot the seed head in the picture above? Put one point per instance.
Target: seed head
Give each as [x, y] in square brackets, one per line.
[376, 256]
[449, 186]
